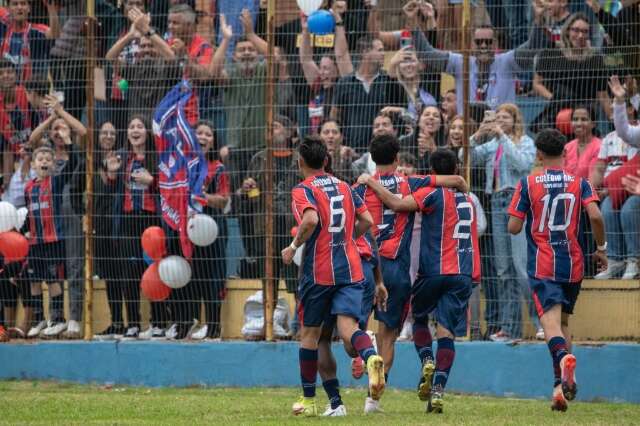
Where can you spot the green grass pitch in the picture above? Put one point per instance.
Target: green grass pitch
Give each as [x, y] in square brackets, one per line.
[48, 403]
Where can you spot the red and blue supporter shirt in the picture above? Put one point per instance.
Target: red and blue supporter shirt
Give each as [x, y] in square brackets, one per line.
[26, 47]
[331, 256]
[392, 230]
[448, 235]
[552, 202]
[43, 198]
[138, 197]
[217, 180]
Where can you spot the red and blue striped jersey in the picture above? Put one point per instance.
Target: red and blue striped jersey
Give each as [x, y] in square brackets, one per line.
[366, 248]
[552, 202]
[331, 256]
[137, 197]
[44, 202]
[448, 235]
[392, 230]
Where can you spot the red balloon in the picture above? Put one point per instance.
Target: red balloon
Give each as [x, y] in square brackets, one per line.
[294, 231]
[13, 246]
[154, 243]
[563, 121]
[152, 286]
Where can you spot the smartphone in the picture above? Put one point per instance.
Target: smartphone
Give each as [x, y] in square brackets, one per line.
[489, 115]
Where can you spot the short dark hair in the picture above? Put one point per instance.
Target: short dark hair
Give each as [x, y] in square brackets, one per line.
[551, 142]
[384, 149]
[407, 158]
[443, 162]
[313, 151]
[365, 43]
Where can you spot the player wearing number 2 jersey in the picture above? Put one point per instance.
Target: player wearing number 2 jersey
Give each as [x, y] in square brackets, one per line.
[449, 263]
[552, 202]
[330, 218]
[393, 234]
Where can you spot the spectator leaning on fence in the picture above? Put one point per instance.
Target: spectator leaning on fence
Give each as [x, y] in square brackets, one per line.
[507, 156]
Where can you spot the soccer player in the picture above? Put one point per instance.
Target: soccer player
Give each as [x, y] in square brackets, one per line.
[552, 202]
[449, 264]
[393, 234]
[374, 294]
[330, 217]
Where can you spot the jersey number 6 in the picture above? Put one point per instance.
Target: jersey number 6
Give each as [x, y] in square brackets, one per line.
[336, 211]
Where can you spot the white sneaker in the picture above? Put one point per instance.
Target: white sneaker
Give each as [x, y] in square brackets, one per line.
[53, 330]
[372, 406]
[201, 333]
[614, 268]
[37, 329]
[74, 331]
[631, 271]
[406, 335]
[171, 332]
[194, 328]
[151, 333]
[372, 336]
[339, 411]
[132, 333]
[540, 334]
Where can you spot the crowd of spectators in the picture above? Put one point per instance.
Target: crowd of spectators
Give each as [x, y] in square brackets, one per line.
[347, 86]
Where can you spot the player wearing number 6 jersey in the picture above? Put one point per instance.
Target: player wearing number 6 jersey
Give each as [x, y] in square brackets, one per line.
[449, 264]
[552, 202]
[331, 217]
[392, 231]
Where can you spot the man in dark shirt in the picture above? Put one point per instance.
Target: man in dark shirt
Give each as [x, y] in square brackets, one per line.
[359, 97]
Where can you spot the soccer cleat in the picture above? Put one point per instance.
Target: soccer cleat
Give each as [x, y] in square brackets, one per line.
[4, 335]
[37, 329]
[305, 407]
[424, 387]
[339, 411]
[357, 367]
[436, 402]
[631, 271]
[568, 368]
[375, 370]
[372, 406]
[558, 401]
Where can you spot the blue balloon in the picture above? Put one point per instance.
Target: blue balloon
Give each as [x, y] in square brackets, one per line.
[321, 22]
[146, 258]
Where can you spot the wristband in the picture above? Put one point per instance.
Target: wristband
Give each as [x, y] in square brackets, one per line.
[293, 246]
[340, 24]
[602, 247]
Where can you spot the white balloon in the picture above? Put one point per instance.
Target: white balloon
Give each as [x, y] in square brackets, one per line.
[202, 230]
[309, 6]
[174, 271]
[297, 258]
[22, 216]
[8, 216]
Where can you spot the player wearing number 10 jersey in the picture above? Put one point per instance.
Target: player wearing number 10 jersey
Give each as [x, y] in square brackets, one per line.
[331, 217]
[449, 264]
[552, 202]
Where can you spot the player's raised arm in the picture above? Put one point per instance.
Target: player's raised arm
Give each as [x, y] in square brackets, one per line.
[406, 204]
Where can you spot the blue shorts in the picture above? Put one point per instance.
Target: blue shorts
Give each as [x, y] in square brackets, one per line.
[447, 296]
[395, 274]
[317, 301]
[46, 262]
[548, 293]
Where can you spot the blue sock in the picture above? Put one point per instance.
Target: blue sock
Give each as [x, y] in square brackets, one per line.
[444, 360]
[308, 371]
[332, 388]
[558, 349]
[362, 343]
[422, 340]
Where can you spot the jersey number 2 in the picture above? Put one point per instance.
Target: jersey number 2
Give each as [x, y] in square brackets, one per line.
[463, 223]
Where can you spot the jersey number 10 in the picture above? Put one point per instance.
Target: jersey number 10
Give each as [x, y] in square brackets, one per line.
[549, 217]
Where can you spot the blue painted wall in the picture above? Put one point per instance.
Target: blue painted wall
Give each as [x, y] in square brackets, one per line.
[607, 372]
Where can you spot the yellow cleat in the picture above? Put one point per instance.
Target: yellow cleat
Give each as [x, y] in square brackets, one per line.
[305, 407]
[375, 370]
[424, 387]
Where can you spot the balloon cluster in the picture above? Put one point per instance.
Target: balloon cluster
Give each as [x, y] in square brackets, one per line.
[171, 272]
[14, 247]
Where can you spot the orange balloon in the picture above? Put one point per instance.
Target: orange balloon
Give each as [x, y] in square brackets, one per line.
[13, 246]
[154, 243]
[152, 286]
[563, 121]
